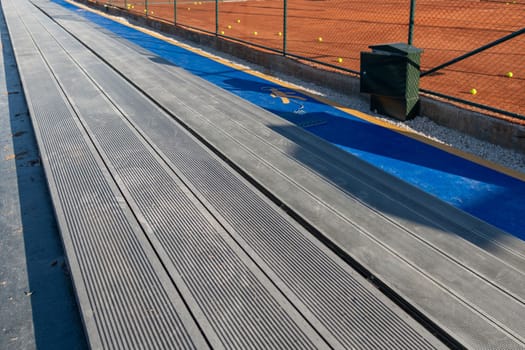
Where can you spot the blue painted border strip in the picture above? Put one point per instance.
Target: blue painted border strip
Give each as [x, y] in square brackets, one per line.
[483, 192]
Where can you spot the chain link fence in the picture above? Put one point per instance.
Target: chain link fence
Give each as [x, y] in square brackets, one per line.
[474, 50]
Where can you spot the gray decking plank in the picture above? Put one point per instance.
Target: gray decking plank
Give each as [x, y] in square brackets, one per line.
[430, 211]
[131, 102]
[119, 281]
[187, 238]
[455, 321]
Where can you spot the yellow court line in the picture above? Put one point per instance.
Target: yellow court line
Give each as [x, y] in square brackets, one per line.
[449, 149]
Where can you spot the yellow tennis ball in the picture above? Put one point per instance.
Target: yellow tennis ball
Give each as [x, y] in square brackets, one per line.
[229, 26]
[280, 34]
[255, 33]
[320, 39]
[238, 21]
[152, 13]
[510, 74]
[340, 60]
[222, 32]
[473, 91]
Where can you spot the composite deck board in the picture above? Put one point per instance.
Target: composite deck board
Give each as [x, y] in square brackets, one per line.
[214, 277]
[429, 252]
[274, 240]
[118, 279]
[250, 277]
[221, 241]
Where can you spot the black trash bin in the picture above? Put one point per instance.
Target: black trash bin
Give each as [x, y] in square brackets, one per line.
[390, 73]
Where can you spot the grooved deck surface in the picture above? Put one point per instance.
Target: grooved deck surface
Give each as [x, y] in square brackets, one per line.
[171, 246]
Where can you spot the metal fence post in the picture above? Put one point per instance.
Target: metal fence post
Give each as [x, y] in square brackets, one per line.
[175, 12]
[411, 22]
[285, 24]
[216, 17]
[146, 5]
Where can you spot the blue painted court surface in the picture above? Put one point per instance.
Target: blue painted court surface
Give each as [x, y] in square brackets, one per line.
[483, 192]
